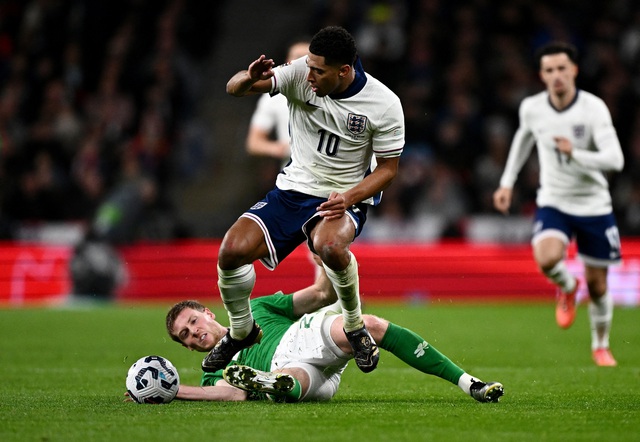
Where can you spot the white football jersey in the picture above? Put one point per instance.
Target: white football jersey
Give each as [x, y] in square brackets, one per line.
[576, 185]
[272, 114]
[333, 140]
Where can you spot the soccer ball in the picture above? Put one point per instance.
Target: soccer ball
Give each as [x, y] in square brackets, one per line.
[152, 380]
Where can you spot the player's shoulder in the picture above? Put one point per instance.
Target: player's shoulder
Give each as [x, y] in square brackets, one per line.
[541, 97]
[589, 99]
[380, 87]
[292, 71]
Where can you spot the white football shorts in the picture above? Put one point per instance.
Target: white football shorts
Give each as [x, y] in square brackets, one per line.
[308, 345]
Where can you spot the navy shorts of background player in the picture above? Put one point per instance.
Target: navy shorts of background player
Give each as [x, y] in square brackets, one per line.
[286, 217]
[597, 237]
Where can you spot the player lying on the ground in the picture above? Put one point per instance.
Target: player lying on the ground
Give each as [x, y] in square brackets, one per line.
[304, 350]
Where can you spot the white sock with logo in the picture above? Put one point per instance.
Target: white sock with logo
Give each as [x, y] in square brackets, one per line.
[235, 289]
[346, 285]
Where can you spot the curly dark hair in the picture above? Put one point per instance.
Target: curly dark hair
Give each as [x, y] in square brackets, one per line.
[335, 44]
[557, 47]
[173, 313]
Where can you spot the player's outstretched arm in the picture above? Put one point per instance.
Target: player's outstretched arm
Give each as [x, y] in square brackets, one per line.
[211, 393]
[319, 294]
[256, 79]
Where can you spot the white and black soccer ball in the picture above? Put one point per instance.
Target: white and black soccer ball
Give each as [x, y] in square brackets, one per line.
[153, 380]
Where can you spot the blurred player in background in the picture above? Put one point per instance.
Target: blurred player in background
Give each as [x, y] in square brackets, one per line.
[269, 128]
[576, 144]
[304, 350]
[339, 118]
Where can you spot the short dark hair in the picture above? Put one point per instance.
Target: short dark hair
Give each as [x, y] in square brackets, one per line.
[173, 313]
[557, 47]
[335, 44]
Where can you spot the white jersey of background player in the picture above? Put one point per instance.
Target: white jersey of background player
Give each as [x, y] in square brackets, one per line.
[271, 117]
[576, 186]
[272, 114]
[341, 134]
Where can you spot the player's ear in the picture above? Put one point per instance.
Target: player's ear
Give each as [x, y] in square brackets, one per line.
[209, 313]
[344, 70]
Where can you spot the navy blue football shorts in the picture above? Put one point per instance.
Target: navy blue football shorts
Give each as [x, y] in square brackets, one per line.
[287, 218]
[597, 237]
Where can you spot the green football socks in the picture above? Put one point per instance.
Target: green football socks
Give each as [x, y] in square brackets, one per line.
[416, 352]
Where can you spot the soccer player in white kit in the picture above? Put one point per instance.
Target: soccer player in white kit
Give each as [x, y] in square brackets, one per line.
[576, 144]
[340, 118]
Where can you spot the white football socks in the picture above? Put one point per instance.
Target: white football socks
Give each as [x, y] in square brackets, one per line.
[560, 276]
[465, 382]
[346, 285]
[600, 318]
[235, 289]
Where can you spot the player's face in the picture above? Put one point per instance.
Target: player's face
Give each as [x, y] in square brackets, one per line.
[197, 330]
[324, 79]
[558, 73]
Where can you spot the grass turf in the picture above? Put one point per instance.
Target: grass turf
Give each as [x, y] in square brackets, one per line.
[64, 370]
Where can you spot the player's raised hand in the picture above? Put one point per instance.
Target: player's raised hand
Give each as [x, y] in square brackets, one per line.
[261, 69]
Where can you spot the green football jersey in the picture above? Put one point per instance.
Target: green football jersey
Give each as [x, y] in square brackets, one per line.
[274, 314]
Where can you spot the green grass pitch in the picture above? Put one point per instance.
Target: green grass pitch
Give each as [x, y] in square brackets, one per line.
[63, 373]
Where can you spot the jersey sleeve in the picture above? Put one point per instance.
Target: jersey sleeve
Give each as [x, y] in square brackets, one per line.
[607, 155]
[287, 76]
[520, 150]
[209, 379]
[388, 141]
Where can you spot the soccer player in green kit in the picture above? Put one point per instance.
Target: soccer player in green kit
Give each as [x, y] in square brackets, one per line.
[304, 350]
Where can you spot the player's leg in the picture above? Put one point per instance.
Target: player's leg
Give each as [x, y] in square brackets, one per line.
[241, 246]
[550, 239]
[315, 362]
[283, 385]
[599, 247]
[331, 240]
[295, 383]
[414, 350]
[600, 315]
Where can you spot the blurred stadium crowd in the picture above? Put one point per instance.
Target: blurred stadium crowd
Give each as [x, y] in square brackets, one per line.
[97, 99]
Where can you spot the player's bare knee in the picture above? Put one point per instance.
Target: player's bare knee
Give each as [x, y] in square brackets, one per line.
[377, 326]
[548, 253]
[334, 255]
[547, 262]
[232, 255]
